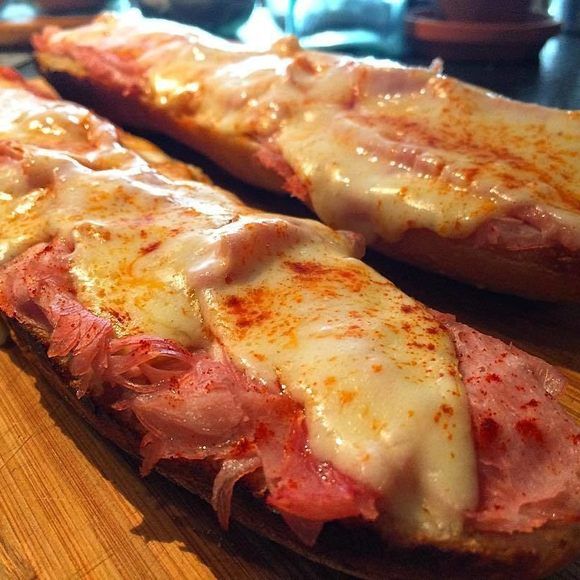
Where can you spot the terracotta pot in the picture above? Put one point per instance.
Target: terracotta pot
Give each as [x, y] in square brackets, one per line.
[486, 10]
[62, 6]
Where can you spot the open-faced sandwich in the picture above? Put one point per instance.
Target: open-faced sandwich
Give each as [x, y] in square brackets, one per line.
[430, 170]
[234, 348]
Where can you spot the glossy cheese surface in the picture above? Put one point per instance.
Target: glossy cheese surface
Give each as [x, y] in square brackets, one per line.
[373, 378]
[285, 297]
[376, 145]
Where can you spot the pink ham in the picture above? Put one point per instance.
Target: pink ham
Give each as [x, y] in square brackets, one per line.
[227, 417]
[119, 69]
[190, 420]
[271, 158]
[304, 487]
[79, 333]
[200, 406]
[231, 472]
[21, 279]
[145, 363]
[36, 290]
[526, 228]
[189, 405]
[36, 88]
[527, 475]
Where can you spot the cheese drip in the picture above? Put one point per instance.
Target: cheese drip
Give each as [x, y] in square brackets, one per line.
[375, 372]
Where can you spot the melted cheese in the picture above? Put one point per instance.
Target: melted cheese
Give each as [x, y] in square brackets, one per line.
[380, 148]
[319, 323]
[375, 372]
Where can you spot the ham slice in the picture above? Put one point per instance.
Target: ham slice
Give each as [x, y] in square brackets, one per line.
[301, 486]
[145, 363]
[232, 470]
[189, 405]
[517, 425]
[36, 290]
[198, 405]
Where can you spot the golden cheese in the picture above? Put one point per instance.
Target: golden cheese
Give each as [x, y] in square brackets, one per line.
[283, 296]
[379, 148]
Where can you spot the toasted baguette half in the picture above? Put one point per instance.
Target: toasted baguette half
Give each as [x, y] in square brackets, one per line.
[356, 550]
[550, 273]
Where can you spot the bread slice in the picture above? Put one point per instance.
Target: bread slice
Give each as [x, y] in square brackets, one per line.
[549, 273]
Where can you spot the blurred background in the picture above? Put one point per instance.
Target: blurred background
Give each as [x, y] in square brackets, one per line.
[378, 27]
[526, 49]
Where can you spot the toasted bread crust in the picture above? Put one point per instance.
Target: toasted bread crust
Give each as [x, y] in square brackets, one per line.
[551, 274]
[235, 154]
[545, 274]
[354, 549]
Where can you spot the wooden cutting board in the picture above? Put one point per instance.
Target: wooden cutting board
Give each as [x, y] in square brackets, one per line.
[72, 506]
